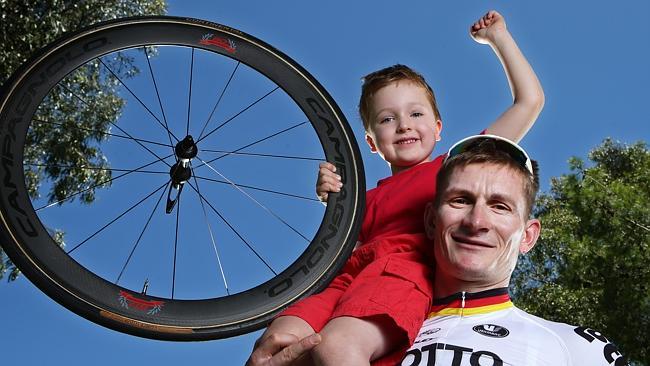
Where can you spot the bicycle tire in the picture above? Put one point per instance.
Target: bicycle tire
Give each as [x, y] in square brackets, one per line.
[30, 245]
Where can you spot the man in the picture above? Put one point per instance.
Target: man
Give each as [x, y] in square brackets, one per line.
[479, 224]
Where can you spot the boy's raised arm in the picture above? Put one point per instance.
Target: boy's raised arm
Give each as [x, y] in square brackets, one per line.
[526, 89]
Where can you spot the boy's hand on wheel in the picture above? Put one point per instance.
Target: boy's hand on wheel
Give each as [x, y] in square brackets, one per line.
[328, 181]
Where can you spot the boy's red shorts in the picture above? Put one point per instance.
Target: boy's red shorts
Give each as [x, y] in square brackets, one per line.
[394, 288]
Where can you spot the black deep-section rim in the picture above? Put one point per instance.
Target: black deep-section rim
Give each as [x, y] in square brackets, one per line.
[28, 244]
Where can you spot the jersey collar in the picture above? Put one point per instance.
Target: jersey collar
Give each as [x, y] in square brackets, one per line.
[472, 303]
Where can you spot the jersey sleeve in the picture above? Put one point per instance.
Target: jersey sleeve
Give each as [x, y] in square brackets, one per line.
[590, 347]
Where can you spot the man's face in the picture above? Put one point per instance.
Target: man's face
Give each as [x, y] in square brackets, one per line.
[479, 225]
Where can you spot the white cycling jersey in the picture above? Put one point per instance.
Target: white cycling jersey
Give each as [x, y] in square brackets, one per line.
[485, 328]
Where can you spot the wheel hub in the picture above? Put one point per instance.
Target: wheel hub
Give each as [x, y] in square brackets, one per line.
[186, 148]
[181, 171]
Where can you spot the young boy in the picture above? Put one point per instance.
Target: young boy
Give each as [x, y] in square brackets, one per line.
[373, 309]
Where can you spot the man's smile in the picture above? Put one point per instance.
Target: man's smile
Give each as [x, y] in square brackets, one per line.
[465, 240]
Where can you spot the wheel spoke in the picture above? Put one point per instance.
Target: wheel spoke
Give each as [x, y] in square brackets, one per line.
[95, 168]
[291, 157]
[136, 97]
[232, 228]
[178, 214]
[223, 91]
[99, 184]
[214, 244]
[256, 201]
[189, 96]
[259, 189]
[256, 142]
[116, 218]
[114, 124]
[137, 242]
[102, 132]
[238, 114]
[162, 110]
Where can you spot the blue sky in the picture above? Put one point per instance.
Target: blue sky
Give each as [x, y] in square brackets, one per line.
[591, 57]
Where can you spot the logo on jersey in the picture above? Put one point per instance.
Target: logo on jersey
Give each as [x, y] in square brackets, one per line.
[430, 331]
[427, 355]
[491, 330]
[610, 351]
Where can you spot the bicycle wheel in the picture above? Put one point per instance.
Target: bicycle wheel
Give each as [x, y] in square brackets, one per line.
[158, 177]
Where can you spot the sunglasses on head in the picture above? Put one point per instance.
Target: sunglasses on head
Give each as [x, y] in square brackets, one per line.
[501, 143]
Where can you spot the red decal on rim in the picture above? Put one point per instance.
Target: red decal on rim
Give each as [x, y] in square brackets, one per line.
[224, 43]
[130, 301]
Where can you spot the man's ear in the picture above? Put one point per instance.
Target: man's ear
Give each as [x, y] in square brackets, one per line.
[531, 234]
[371, 143]
[429, 220]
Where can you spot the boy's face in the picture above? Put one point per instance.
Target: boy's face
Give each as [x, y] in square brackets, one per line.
[403, 128]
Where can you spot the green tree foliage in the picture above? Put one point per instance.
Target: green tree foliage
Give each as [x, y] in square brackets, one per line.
[591, 265]
[66, 132]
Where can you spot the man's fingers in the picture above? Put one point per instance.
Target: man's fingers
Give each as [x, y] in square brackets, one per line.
[275, 342]
[294, 351]
[269, 346]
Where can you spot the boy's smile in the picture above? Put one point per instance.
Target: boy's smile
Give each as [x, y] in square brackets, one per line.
[403, 128]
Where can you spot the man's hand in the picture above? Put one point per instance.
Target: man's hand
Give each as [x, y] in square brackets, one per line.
[486, 29]
[328, 181]
[280, 349]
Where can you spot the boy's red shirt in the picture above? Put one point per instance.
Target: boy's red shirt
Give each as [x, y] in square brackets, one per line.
[393, 226]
